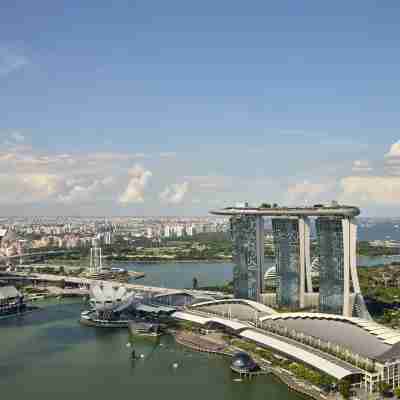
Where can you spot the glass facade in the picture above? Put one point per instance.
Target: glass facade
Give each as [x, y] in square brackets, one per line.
[331, 258]
[287, 250]
[247, 233]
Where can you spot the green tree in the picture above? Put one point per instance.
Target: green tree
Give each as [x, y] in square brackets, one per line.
[344, 388]
[383, 387]
[397, 392]
[265, 205]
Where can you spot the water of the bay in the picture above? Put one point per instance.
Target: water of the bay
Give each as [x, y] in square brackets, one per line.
[48, 355]
[180, 275]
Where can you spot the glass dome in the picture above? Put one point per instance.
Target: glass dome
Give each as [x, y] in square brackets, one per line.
[243, 361]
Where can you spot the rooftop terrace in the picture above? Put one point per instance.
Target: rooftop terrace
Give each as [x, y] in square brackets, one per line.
[320, 211]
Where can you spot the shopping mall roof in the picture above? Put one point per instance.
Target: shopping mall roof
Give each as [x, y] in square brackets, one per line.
[363, 337]
[311, 357]
[317, 211]
[336, 369]
[232, 324]
[249, 304]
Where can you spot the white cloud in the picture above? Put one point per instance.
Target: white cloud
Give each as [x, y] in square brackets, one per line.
[361, 166]
[211, 182]
[384, 190]
[174, 194]
[167, 154]
[110, 156]
[11, 60]
[7, 157]
[134, 192]
[81, 193]
[394, 150]
[28, 188]
[304, 192]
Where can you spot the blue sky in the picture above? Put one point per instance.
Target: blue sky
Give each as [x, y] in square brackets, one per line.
[156, 107]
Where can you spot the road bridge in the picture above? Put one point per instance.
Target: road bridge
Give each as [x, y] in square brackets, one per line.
[87, 282]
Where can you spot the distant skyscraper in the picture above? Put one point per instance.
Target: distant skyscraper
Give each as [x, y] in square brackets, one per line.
[179, 231]
[248, 255]
[167, 231]
[149, 232]
[95, 265]
[190, 230]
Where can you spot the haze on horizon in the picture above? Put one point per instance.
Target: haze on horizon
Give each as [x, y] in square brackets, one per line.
[176, 108]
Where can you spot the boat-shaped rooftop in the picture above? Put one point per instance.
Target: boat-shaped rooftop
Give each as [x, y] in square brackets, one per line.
[316, 211]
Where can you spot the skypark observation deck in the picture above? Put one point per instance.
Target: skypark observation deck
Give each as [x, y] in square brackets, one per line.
[339, 211]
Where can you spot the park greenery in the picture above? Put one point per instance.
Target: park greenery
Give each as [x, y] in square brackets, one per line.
[381, 288]
[202, 247]
[364, 248]
[214, 246]
[344, 388]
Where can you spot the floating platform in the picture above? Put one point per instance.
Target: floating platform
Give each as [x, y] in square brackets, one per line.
[88, 320]
[147, 329]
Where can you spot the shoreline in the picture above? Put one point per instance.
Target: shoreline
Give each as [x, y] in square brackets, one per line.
[278, 373]
[165, 261]
[145, 260]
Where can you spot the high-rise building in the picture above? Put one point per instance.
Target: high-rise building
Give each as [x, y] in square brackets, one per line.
[287, 251]
[292, 252]
[331, 273]
[337, 239]
[179, 230]
[167, 231]
[248, 255]
[337, 235]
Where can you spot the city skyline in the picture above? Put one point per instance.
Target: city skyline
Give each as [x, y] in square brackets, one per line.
[179, 109]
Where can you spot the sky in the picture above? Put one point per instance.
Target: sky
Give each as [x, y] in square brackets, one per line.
[155, 107]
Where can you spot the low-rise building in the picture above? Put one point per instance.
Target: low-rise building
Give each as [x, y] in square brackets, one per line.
[11, 301]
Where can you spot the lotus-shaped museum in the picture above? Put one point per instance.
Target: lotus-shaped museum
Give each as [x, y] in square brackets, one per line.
[109, 298]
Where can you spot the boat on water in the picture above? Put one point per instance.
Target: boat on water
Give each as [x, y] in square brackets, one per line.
[12, 302]
[143, 328]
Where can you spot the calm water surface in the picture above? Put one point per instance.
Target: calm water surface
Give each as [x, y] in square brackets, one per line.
[47, 355]
[180, 275]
